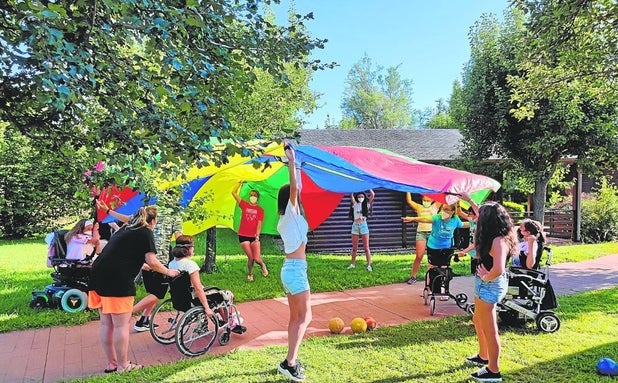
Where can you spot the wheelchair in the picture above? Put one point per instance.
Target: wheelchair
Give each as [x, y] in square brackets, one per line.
[182, 320]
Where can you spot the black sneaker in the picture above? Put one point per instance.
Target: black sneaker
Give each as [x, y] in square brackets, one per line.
[141, 325]
[484, 375]
[476, 360]
[294, 373]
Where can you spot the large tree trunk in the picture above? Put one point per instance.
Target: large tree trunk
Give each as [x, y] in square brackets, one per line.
[539, 197]
[210, 259]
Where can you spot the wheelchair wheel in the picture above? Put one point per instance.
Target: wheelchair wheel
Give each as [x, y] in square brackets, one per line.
[470, 309]
[196, 332]
[426, 295]
[73, 301]
[39, 301]
[224, 338]
[163, 322]
[432, 306]
[461, 300]
[547, 322]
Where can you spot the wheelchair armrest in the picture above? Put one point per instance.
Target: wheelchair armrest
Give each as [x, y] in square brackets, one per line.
[521, 272]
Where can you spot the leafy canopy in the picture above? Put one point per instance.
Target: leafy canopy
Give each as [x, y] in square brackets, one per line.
[373, 100]
[575, 123]
[572, 44]
[144, 85]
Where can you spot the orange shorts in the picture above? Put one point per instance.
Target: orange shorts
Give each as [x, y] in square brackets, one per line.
[110, 305]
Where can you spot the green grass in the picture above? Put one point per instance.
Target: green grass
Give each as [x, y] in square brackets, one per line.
[424, 351]
[23, 269]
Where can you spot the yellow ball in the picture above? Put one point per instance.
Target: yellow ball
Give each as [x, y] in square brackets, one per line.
[358, 325]
[336, 325]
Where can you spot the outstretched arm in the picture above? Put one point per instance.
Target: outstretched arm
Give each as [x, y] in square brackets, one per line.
[417, 219]
[411, 203]
[235, 191]
[291, 156]
[122, 217]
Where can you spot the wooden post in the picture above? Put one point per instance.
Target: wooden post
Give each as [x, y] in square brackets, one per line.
[577, 206]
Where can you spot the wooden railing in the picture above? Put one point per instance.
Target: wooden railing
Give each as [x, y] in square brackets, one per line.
[558, 223]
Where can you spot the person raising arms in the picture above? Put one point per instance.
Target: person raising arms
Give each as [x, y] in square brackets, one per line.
[251, 218]
[427, 208]
[293, 228]
[359, 211]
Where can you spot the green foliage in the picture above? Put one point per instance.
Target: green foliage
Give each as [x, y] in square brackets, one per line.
[373, 100]
[571, 45]
[600, 215]
[576, 122]
[145, 86]
[514, 206]
[33, 194]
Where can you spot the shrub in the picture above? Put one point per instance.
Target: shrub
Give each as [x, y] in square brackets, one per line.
[600, 215]
[514, 207]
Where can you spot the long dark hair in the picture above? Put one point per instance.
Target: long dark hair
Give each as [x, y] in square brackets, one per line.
[365, 206]
[494, 221]
[283, 198]
[535, 228]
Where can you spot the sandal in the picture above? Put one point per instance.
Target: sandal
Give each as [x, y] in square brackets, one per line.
[264, 271]
[130, 367]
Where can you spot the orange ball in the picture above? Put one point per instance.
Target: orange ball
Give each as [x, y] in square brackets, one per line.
[336, 325]
[358, 325]
[371, 323]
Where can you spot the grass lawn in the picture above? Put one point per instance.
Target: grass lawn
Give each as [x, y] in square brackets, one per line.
[23, 269]
[424, 351]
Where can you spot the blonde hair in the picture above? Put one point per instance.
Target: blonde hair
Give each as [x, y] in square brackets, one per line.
[142, 217]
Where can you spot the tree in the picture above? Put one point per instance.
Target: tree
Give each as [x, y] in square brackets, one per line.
[144, 85]
[571, 44]
[373, 100]
[574, 123]
[33, 194]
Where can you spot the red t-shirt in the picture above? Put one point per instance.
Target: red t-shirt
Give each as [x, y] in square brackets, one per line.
[249, 218]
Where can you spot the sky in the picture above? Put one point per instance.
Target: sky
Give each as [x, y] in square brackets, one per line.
[427, 39]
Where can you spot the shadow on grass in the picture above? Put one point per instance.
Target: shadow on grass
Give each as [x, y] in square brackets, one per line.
[576, 367]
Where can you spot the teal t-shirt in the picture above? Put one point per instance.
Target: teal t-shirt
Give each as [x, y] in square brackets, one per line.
[442, 232]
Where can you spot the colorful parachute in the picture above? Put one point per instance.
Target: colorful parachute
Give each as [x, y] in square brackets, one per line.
[327, 174]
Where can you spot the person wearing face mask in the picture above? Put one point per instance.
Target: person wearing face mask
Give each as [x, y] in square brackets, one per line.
[427, 208]
[443, 226]
[359, 211]
[252, 216]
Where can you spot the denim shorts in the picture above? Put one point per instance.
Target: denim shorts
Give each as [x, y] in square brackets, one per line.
[294, 276]
[422, 235]
[360, 228]
[493, 291]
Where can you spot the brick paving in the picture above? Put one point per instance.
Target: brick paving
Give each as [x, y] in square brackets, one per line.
[59, 353]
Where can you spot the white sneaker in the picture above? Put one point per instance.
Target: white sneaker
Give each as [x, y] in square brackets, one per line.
[369, 268]
[351, 266]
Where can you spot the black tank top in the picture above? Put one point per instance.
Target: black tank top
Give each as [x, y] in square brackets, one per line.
[487, 261]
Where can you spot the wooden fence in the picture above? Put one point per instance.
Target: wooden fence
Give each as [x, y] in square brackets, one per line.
[558, 223]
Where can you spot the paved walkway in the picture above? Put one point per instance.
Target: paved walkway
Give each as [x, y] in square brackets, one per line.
[59, 353]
